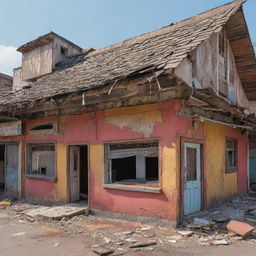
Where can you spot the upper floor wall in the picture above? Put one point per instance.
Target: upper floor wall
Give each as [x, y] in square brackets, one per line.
[40, 56]
[212, 65]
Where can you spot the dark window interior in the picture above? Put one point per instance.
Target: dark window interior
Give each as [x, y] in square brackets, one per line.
[124, 169]
[63, 51]
[42, 127]
[2, 168]
[191, 164]
[135, 162]
[222, 44]
[83, 172]
[2, 152]
[151, 168]
[231, 154]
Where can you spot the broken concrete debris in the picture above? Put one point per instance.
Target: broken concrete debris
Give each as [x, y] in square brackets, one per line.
[58, 212]
[203, 222]
[241, 228]
[209, 230]
[220, 242]
[185, 232]
[143, 244]
[103, 251]
[221, 220]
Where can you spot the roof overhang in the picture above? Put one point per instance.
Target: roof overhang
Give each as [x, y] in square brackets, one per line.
[243, 51]
[43, 40]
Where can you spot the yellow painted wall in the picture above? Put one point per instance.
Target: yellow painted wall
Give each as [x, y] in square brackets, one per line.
[61, 186]
[169, 170]
[219, 183]
[170, 175]
[96, 160]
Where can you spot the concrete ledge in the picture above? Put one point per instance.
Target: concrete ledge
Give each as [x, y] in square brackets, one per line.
[41, 177]
[140, 188]
[139, 219]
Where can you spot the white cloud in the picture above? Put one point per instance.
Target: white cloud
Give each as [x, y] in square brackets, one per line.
[9, 59]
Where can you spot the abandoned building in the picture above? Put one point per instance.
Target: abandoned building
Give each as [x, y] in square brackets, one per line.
[5, 82]
[160, 125]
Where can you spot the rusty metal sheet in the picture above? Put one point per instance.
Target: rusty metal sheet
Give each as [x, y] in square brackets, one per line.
[11, 128]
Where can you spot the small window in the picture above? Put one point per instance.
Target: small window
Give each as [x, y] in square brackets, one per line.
[42, 127]
[41, 160]
[63, 51]
[231, 155]
[191, 164]
[132, 163]
[222, 44]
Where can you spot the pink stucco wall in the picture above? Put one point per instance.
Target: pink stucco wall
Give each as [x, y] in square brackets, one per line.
[93, 129]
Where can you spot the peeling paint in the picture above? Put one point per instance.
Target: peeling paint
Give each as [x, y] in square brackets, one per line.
[141, 123]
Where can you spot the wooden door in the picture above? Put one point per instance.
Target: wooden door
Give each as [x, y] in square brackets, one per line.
[192, 179]
[74, 172]
[11, 168]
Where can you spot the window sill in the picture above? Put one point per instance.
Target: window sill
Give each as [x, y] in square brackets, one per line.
[141, 188]
[231, 170]
[41, 177]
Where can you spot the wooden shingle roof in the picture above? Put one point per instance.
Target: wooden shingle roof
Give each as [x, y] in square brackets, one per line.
[161, 49]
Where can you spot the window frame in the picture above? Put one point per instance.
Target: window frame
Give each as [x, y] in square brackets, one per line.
[53, 130]
[229, 169]
[137, 186]
[28, 169]
[223, 59]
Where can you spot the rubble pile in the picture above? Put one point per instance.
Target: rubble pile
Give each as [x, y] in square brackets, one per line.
[229, 223]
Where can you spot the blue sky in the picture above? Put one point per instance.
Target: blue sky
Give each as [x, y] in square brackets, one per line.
[95, 23]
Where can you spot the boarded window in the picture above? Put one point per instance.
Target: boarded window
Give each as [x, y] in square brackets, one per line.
[132, 163]
[191, 164]
[231, 154]
[42, 159]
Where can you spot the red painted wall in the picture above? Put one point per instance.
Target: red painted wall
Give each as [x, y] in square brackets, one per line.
[242, 177]
[42, 190]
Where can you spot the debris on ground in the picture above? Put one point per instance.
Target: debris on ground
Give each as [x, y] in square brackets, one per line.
[103, 251]
[117, 237]
[241, 228]
[220, 242]
[19, 234]
[57, 244]
[58, 212]
[202, 222]
[185, 232]
[5, 203]
[143, 244]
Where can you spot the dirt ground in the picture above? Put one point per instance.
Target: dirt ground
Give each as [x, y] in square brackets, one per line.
[81, 235]
[35, 239]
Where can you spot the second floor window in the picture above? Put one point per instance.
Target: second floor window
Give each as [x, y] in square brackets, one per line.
[223, 64]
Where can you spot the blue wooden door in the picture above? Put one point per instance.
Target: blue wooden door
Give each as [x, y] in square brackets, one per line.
[192, 179]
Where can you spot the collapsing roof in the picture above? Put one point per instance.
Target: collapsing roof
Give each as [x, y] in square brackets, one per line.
[159, 50]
